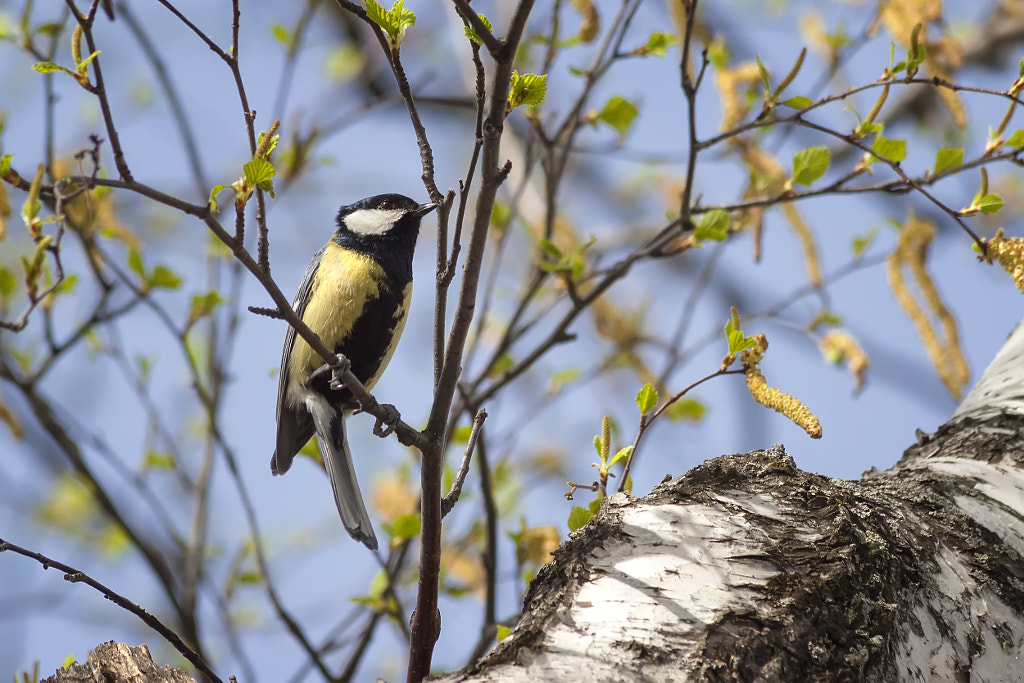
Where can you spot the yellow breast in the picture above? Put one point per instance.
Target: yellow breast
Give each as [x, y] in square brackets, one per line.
[344, 283]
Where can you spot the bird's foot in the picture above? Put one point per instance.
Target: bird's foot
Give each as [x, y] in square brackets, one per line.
[344, 365]
[387, 421]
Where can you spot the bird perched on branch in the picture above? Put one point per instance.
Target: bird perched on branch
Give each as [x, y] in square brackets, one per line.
[355, 295]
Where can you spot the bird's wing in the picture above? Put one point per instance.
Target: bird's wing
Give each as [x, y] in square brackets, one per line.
[294, 424]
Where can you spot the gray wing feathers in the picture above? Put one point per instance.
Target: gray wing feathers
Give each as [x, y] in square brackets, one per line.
[330, 431]
[294, 427]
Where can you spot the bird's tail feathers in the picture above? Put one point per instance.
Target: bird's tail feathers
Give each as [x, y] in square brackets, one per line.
[330, 432]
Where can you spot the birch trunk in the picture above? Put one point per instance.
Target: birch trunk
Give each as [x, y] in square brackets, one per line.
[748, 569]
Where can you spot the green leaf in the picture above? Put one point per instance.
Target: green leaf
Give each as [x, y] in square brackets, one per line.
[737, 342]
[472, 35]
[865, 129]
[718, 54]
[311, 450]
[270, 145]
[163, 277]
[8, 283]
[406, 526]
[647, 399]
[950, 157]
[87, 61]
[7, 27]
[1017, 139]
[827, 318]
[734, 335]
[68, 661]
[622, 454]
[203, 305]
[503, 364]
[560, 380]
[578, 517]
[528, 89]
[135, 263]
[797, 102]
[988, 204]
[549, 248]
[659, 43]
[503, 632]
[810, 164]
[713, 226]
[501, 215]
[158, 461]
[862, 242]
[619, 113]
[248, 578]
[689, 409]
[393, 22]
[50, 29]
[764, 75]
[893, 150]
[48, 68]
[343, 63]
[280, 34]
[594, 506]
[257, 171]
[461, 435]
[533, 88]
[217, 189]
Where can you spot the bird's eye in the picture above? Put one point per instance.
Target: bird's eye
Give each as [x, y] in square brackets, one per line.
[386, 205]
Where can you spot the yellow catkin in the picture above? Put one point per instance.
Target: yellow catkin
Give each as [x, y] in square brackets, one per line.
[943, 53]
[786, 404]
[1009, 252]
[767, 178]
[606, 437]
[76, 45]
[8, 417]
[812, 262]
[733, 86]
[911, 253]
[839, 345]
[5, 211]
[773, 398]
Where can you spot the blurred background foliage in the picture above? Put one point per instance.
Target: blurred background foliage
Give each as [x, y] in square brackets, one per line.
[138, 400]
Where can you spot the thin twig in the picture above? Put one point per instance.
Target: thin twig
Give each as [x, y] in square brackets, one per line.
[75, 576]
[452, 498]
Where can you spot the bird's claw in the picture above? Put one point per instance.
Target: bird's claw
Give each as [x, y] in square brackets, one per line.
[344, 365]
[387, 421]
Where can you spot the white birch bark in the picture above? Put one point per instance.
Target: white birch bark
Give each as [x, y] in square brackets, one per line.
[748, 569]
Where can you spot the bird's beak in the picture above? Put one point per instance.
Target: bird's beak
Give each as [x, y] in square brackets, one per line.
[423, 210]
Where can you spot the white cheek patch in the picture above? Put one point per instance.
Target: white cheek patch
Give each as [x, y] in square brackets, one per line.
[372, 221]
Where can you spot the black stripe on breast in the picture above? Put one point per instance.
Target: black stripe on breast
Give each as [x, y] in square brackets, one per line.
[368, 342]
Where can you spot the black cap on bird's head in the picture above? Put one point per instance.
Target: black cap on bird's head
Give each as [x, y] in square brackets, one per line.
[386, 217]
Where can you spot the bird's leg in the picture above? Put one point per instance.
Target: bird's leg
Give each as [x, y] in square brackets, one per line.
[344, 365]
[386, 422]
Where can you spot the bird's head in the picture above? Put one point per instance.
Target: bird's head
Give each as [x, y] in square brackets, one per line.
[384, 217]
